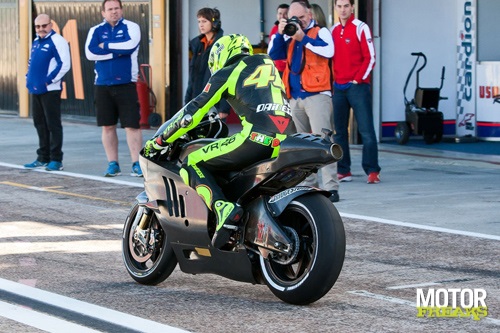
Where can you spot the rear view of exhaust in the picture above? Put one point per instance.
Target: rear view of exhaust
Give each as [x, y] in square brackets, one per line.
[336, 151]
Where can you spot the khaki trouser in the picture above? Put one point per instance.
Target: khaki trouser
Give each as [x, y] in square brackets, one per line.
[310, 115]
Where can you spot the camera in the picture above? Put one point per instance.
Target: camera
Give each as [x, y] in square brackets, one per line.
[290, 27]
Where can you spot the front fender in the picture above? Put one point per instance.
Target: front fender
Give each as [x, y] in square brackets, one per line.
[142, 198]
[278, 202]
[143, 201]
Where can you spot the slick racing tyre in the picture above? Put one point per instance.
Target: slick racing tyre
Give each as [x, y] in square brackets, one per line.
[147, 255]
[317, 265]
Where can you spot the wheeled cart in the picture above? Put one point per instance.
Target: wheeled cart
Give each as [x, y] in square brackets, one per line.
[421, 113]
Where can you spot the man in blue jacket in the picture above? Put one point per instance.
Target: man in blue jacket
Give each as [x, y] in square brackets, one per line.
[49, 62]
[114, 45]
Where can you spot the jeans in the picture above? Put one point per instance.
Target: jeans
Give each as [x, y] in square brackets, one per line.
[47, 121]
[358, 97]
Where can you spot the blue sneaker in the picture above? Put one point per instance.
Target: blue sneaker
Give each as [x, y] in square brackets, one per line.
[35, 164]
[54, 166]
[113, 169]
[136, 170]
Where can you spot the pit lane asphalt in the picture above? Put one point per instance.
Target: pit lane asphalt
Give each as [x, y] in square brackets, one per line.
[62, 234]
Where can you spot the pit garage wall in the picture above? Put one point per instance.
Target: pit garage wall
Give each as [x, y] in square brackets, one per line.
[457, 34]
[8, 55]
[407, 26]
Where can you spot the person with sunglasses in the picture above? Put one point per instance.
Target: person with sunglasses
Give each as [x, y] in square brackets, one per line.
[49, 61]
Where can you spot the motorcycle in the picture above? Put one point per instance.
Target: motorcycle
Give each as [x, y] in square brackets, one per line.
[291, 237]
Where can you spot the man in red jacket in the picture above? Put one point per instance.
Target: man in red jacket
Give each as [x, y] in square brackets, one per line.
[353, 62]
[281, 13]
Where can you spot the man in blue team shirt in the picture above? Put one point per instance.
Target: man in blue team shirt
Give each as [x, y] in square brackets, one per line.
[113, 45]
[49, 61]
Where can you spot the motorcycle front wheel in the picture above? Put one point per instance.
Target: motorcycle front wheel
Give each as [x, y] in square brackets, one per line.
[319, 261]
[148, 256]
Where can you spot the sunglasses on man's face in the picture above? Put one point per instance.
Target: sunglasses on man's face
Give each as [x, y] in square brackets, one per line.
[42, 26]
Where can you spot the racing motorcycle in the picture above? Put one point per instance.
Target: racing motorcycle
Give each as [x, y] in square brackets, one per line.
[291, 237]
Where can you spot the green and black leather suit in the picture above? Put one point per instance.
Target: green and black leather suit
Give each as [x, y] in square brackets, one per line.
[253, 87]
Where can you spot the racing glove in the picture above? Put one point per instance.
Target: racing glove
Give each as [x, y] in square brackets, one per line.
[154, 146]
[178, 127]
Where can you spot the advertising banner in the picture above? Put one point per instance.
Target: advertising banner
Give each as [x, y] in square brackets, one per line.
[466, 69]
[488, 100]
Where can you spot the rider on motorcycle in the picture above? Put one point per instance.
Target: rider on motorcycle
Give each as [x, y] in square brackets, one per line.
[252, 86]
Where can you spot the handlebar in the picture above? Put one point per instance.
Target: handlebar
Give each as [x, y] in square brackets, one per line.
[418, 55]
[442, 78]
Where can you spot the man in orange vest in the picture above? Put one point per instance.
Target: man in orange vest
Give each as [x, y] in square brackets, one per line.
[308, 49]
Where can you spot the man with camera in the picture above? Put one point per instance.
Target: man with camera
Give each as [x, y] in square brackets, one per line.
[308, 50]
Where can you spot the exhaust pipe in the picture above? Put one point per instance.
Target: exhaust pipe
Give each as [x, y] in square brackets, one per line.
[336, 152]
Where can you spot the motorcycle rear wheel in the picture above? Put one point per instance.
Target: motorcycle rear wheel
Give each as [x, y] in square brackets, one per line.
[158, 263]
[321, 255]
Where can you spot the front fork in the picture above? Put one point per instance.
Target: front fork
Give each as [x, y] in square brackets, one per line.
[144, 241]
[141, 233]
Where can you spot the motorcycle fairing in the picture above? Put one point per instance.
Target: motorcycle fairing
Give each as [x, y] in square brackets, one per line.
[235, 265]
[187, 231]
[173, 198]
[143, 200]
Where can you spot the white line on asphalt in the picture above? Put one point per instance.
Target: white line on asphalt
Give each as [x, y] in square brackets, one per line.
[77, 175]
[39, 320]
[492, 320]
[91, 310]
[419, 226]
[382, 297]
[426, 284]
[417, 285]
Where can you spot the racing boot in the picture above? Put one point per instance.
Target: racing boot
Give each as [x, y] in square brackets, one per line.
[228, 215]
